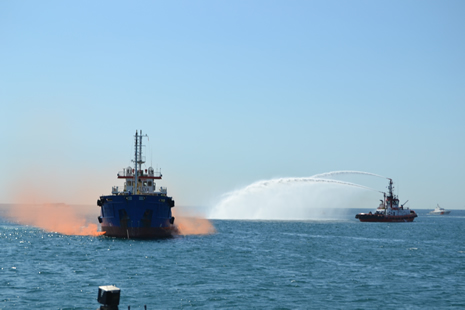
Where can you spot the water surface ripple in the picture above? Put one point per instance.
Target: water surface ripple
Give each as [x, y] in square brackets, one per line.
[341, 264]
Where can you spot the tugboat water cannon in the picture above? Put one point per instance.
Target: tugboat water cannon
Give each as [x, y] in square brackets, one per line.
[389, 210]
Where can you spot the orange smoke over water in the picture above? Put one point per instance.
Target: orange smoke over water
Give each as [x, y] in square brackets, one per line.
[60, 218]
[188, 224]
[34, 209]
[67, 220]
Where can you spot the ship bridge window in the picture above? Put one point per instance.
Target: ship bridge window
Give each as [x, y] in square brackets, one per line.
[150, 183]
[129, 183]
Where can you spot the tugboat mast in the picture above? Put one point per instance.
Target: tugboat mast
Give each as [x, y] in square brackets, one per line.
[391, 196]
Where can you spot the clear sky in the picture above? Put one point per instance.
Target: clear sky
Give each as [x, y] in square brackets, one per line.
[231, 92]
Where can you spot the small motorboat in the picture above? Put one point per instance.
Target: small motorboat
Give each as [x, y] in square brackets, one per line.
[439, 211]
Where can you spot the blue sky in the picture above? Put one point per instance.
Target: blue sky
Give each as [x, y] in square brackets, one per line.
[231, 93]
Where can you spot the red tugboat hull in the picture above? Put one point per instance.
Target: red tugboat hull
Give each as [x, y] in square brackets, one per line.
[366, 217]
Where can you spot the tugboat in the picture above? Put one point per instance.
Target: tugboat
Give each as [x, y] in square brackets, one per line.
[137, 211]
[389, 210]
[439, 211]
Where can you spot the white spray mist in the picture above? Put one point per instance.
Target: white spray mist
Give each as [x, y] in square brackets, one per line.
[292, 198]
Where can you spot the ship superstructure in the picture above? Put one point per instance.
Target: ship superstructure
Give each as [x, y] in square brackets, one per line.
[138, 210]
[389, 210]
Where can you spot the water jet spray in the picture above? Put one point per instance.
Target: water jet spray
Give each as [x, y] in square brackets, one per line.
[289, 198]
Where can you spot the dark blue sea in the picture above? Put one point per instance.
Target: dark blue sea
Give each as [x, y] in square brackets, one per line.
[337, 264]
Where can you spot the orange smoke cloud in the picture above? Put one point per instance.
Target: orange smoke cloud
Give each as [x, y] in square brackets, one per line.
[34, 208]
[192, 225]
[60, 218]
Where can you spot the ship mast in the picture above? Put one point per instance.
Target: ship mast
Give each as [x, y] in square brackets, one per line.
[138, 160]
[135, 163]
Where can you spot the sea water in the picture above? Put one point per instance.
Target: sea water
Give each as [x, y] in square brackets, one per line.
[337, 264]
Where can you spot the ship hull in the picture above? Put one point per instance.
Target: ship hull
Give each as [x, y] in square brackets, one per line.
[137, 216]
[363, 217]
[138, 232]
[440, 213]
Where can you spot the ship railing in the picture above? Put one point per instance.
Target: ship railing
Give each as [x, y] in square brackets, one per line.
[147, 189]
[141, 173]
[150, 173]
[154, 174]
[124, 174]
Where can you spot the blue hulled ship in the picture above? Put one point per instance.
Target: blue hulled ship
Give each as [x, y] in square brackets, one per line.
[139, 210]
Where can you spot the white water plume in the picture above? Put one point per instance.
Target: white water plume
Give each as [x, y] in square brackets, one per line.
[261, 184]
[333, 173]
[292, 198]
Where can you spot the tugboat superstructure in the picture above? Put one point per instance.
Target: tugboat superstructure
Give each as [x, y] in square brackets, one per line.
[138, 210]
[389, 210]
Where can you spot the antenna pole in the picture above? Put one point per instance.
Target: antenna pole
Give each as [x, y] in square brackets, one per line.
[140, 150]
[135, 161]
[138, 159]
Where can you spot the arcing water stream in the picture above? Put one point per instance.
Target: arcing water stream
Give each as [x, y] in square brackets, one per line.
[333, 173]
[291, 198]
